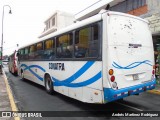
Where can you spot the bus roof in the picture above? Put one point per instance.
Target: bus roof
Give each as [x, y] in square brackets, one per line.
[79, 24]
[82, 23]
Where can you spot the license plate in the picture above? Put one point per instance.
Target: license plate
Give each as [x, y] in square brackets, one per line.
[135, 77]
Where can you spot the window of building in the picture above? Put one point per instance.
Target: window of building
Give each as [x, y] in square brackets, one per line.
[128, 5]
[48, 24]
[53, 21]
[65, 46]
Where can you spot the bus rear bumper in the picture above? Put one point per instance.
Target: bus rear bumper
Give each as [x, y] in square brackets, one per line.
[112, 95]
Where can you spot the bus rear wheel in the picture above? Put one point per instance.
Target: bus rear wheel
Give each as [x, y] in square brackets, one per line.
[48, 84]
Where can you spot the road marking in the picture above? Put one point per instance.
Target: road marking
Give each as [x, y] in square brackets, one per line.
[13, 105]
[129, 106]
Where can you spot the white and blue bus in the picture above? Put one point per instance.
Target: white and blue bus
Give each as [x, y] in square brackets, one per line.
[101, 59]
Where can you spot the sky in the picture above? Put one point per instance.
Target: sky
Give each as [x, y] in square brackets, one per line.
[26, 22]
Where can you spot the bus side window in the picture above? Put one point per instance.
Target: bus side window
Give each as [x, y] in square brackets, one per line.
[21, 54]
[32, 50]
[65, 46]
[94, 41]
[87, 42]
[49, 52]
[26, 52]
[81, 42]
[40, 51]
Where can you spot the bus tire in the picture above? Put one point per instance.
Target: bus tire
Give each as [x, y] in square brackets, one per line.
[48, 84]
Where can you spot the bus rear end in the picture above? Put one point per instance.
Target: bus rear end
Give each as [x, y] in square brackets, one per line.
[129, 57]
[12, 65]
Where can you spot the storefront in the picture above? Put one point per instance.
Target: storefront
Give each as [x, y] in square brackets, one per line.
[154, 21]
[156, 43]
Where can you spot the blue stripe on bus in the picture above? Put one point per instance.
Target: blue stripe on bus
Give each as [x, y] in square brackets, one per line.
[109, 93]
[32, 66]
[80, 84]
[82, 70]
[67, 82]
[132, 65]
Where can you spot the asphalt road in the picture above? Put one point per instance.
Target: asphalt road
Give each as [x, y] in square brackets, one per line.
[32, 97]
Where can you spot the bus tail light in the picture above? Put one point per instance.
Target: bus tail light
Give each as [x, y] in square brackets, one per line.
[112, 78]
[111, 72]
[153, 72]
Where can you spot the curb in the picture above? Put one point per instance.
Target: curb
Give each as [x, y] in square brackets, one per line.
[154, 91]
[11, 99]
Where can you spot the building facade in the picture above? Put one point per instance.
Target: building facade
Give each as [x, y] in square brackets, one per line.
[150, 10]
[56, 21]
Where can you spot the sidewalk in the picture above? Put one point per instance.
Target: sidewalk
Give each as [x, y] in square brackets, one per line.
[6, 98]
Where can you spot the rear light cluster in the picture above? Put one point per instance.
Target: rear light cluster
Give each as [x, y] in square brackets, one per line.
[112, 79]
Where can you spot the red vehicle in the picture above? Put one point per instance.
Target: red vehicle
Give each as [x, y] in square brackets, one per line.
[12, 64]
